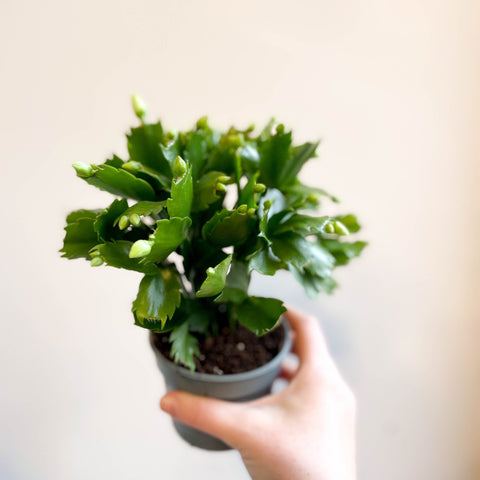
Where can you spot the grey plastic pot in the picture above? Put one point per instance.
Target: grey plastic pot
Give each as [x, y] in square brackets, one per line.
[236, 387]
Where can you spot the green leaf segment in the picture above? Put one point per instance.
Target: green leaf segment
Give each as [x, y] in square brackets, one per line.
[184, 345]
[170, 222]
[216, 278]
[158, 298]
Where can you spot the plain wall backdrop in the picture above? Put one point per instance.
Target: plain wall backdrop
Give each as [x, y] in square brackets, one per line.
[392, 88]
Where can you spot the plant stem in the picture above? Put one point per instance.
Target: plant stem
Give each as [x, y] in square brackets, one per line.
[188, 292]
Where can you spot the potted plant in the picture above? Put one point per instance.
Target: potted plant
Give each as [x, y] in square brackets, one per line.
[196, 213]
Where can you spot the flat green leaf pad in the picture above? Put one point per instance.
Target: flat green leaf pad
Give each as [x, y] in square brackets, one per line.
[79, 239]
[227, 228]
[302, 224]
[144, 146]
[205, 192]
[184, 346]
[215, 281]
[104, 223]
[115, 254]
[343, 251]
[313, 283]
[143, 209]
[77, 214]
[296, 251]
[259, 314]
[180, 203]
[274, 155]
[292, 167]
[264, 261]
[120, 182]
[169, 234]
[236, 284]
[158, 298]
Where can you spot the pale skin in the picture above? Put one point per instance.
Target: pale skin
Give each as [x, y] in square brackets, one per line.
[306, 431]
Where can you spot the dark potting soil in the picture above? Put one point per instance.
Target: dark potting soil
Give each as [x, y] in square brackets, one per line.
[231, 351]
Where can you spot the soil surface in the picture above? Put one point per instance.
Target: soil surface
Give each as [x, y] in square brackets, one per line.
[231, 351]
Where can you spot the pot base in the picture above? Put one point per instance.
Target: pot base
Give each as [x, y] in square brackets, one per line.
[238, 387]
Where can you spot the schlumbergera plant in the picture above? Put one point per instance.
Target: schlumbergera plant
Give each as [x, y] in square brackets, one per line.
[197, 212]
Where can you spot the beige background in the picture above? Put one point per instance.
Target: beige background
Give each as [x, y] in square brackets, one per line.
[393, 90]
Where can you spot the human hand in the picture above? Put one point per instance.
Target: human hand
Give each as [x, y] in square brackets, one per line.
[306, 431]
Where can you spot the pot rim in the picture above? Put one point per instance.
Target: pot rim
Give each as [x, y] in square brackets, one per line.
[233, 377]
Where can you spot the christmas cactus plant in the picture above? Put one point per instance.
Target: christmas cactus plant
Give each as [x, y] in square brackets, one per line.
[196, 213]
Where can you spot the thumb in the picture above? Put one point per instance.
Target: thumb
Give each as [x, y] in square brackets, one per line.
[219, 418]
